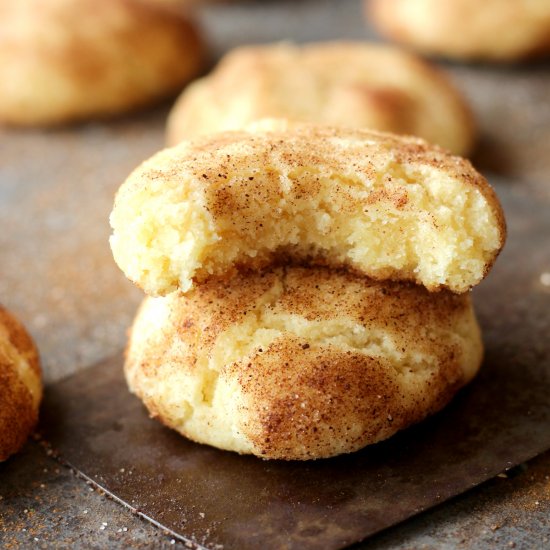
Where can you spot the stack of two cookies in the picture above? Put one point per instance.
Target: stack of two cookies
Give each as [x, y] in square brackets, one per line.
[312, 285]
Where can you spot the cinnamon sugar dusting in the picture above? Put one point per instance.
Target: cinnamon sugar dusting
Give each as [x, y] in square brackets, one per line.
[344, 83]
[20, 384]
[385, 206]
[300, 363]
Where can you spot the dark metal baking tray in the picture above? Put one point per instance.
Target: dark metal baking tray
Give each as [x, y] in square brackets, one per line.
[216, 498]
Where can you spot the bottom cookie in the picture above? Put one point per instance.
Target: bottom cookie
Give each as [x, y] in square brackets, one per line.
[299, 363]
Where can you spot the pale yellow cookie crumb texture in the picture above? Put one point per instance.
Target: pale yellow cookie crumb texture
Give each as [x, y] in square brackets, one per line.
[300, 363]
[355, 84]
[384, 206]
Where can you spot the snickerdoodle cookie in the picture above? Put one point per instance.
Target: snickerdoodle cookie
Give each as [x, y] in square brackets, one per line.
[354, 84]
[385, 206]
[493, 30]
[20, 384]
[300, 363]
[67, 60]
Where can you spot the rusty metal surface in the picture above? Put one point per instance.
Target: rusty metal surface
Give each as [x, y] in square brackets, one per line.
[218, 498]
[57, 274]
[43, 505]
[503, 511]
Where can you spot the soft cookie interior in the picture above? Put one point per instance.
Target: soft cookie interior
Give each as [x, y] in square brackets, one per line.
[385, 206]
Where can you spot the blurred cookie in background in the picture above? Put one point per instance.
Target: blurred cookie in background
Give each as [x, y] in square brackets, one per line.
[20, 385]
[493, 30]
[352, 84]
[68, 60]
[184, 5]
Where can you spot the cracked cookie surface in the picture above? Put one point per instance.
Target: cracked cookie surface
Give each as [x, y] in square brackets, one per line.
[300, 363]
[385, 206]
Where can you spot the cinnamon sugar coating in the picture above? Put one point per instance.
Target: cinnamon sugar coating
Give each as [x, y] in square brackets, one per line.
[355, 84]
[67, 60]
[20, 384]
[385, 206]
[492, 30]
[300, 363]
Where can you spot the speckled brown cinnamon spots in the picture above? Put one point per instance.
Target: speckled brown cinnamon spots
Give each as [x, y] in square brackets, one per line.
[300, 363]
[20, 387]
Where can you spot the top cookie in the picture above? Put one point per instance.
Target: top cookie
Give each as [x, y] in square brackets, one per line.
[497, 30]
[388, 207]
[354, 84]
[66, 60]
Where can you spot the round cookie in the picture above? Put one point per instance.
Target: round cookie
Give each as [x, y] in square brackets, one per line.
[67, 60]
[20, 385]
[354, 84]
[386, 206]
[494, 30]
[300, 363]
